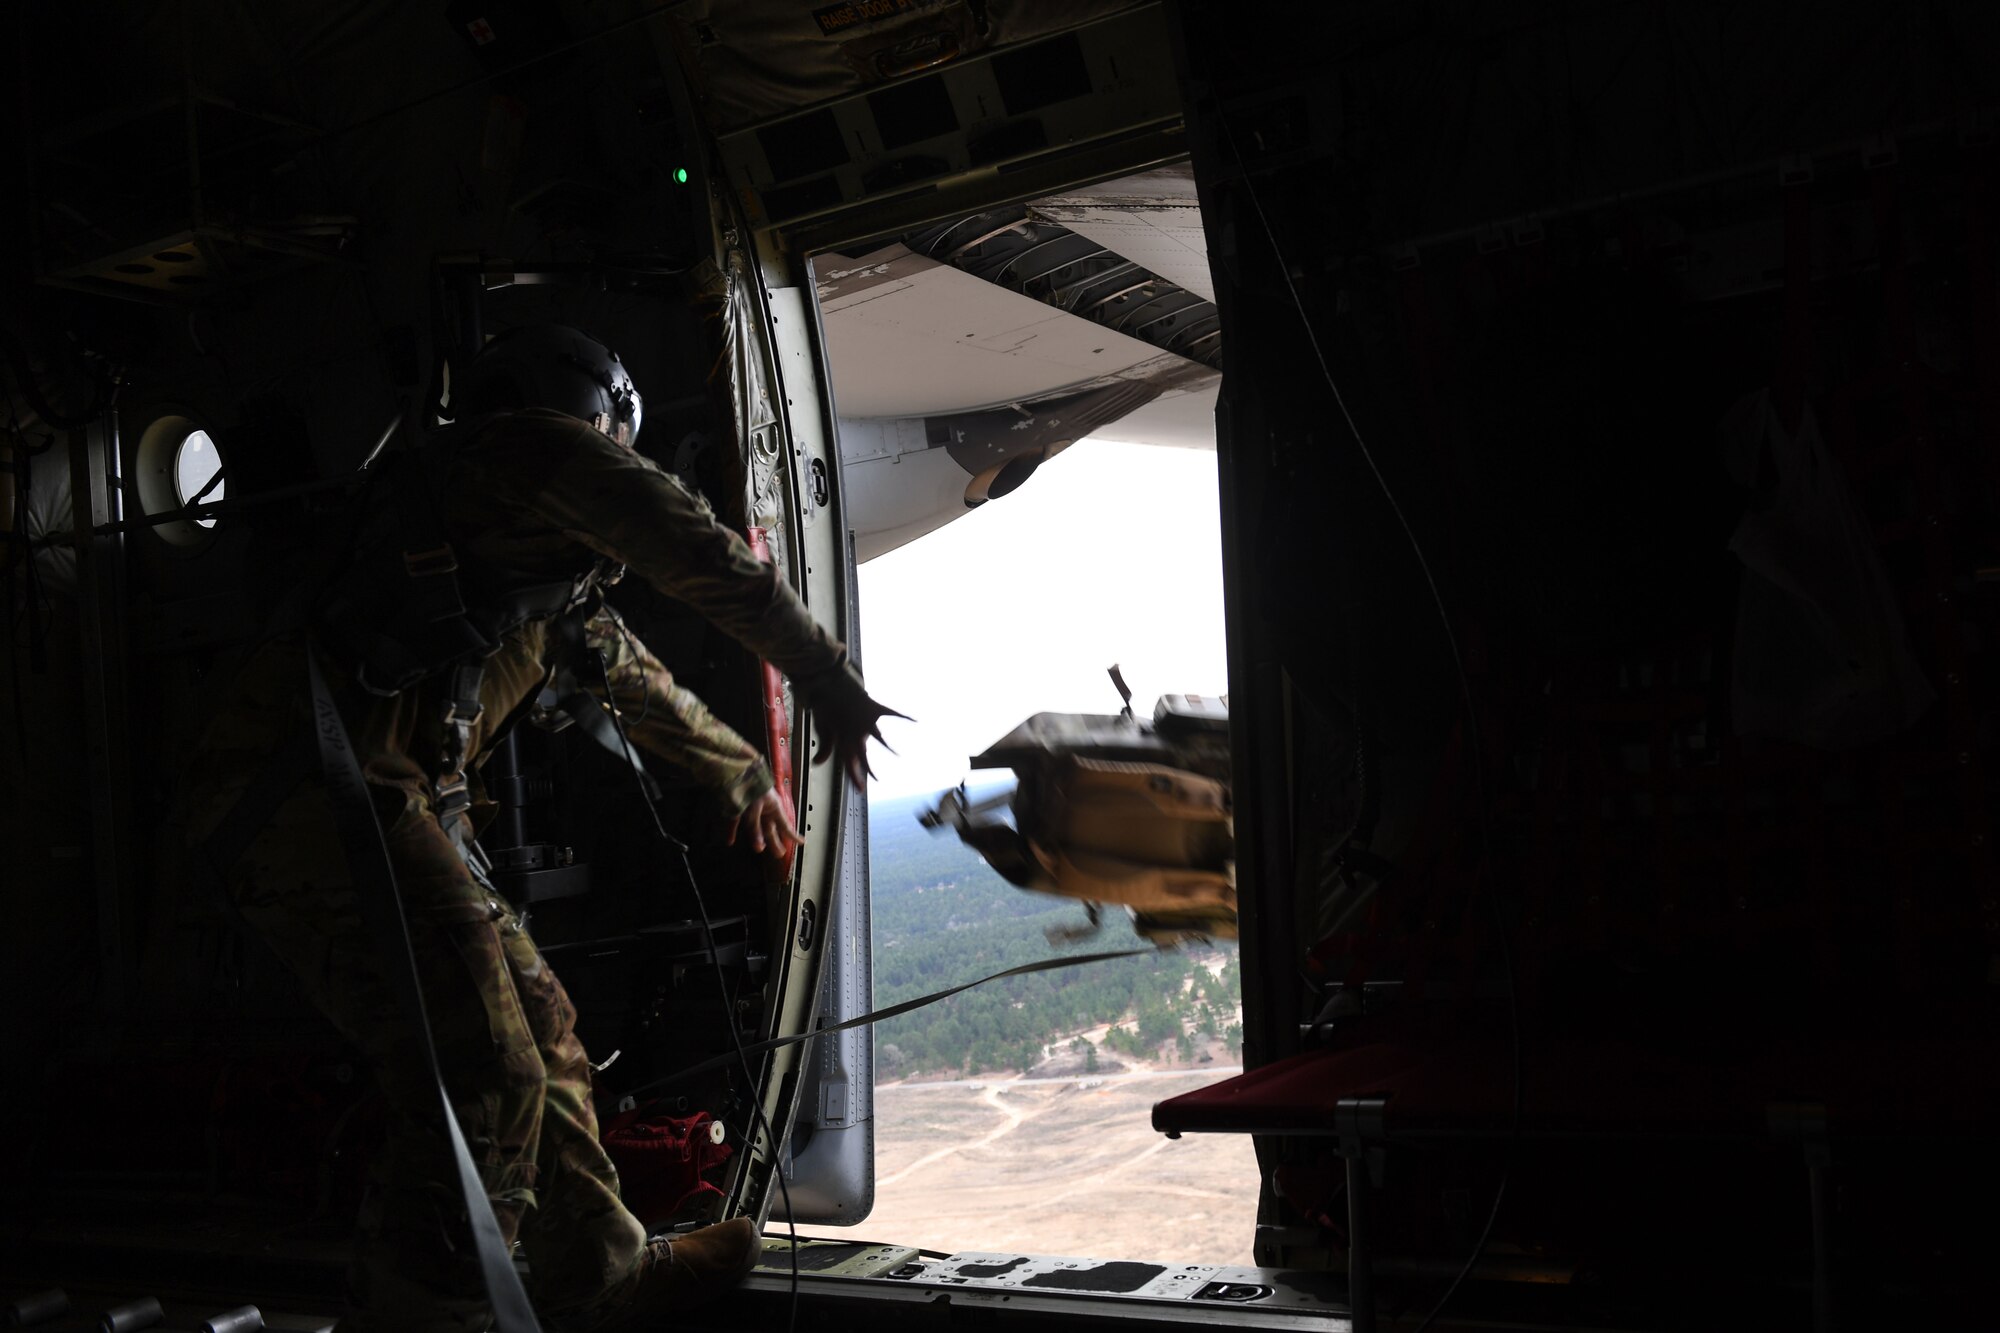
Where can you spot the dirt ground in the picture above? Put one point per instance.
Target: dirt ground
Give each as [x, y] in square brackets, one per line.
[1068, 1166]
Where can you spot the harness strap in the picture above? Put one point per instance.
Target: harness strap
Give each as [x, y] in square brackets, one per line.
[375, 887]
[325, 745]
[432, 568]
[593, 719]
[462, 710]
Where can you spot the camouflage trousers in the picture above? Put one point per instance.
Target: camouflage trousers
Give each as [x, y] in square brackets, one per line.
[505, 1036]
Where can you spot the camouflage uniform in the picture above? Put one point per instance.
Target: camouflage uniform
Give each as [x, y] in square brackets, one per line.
[541, 493]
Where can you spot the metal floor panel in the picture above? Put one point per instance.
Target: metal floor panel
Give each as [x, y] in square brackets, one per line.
[887, 1281]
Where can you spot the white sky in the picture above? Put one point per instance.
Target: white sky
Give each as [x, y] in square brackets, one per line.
[1111, 552]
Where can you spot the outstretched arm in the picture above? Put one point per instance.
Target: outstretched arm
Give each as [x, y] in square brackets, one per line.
[623, 506]
[666, 720]
[661, 717]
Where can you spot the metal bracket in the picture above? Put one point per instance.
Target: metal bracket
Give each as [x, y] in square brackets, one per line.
[1360, 1123]
[1805, 1123]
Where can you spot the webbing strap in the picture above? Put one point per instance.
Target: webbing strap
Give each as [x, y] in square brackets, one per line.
[451, 795]
[593, 719]
[430, 565]
[375, 887]
[879, 1015]
[462, 710]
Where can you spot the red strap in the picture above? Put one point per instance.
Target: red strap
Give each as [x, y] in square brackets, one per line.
[777, 727]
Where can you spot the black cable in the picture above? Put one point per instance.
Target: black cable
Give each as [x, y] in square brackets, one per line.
[728, 1010]
[632, 646]
[1472, 732]
[891, 1011]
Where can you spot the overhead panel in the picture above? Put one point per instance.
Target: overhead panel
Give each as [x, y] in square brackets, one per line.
[972, 129]
[194, 228]
[756, 60]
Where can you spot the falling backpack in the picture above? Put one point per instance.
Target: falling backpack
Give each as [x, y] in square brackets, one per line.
[1113, 810]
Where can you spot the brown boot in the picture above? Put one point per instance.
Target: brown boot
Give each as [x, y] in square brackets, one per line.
[674, 1274]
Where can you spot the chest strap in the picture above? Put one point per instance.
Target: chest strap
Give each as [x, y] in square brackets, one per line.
[463, 710]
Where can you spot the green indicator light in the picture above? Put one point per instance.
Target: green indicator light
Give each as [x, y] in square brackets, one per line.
[680, 175]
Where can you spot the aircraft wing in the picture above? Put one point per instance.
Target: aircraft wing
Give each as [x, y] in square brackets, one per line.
[969, 353]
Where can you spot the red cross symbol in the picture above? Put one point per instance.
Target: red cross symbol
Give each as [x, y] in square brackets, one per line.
[481, 31]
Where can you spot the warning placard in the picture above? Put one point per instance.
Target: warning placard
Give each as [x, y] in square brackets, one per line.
[836, 19]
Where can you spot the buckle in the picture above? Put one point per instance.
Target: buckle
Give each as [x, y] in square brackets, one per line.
[454, 713]
[429, 564]
[452, 796]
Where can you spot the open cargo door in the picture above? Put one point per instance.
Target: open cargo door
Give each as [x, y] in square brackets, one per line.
[842, 129]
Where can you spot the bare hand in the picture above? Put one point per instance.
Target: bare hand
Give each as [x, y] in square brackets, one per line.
[768, 825]
[846, 729]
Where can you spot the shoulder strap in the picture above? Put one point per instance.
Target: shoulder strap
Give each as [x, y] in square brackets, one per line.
[592, 718]
[591, 715]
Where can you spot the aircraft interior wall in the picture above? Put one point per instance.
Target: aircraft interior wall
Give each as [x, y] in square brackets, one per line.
[1559, 307]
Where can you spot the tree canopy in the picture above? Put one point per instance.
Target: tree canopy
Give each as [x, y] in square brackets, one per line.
[943, 917]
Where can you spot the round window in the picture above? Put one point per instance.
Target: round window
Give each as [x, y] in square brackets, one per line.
[198, 475]
[178, 465]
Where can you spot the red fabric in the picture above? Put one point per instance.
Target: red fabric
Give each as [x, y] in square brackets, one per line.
[1463, 1084]
[777, 723]
[660, 1161]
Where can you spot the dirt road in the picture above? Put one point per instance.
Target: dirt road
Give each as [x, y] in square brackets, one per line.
[1051, 1167]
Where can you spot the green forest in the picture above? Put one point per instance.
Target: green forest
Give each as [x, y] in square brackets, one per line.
[943, 917]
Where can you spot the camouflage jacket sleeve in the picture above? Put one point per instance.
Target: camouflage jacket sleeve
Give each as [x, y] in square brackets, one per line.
[664, 719]
[622, 505]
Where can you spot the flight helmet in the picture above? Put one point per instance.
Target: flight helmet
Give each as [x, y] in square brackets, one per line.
[554, 367]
